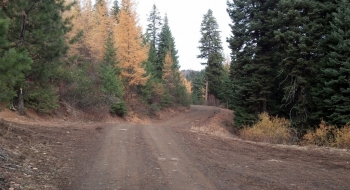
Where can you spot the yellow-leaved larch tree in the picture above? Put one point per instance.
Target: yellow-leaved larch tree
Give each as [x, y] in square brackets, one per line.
[74, 14]
[81, 15]
[131, 53]
[94, 23]
[100, 29]
[168, 76]
[186, 83]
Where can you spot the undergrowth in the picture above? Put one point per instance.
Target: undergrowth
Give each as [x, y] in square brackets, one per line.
[269, 129]
[328, 135]
[277, 130]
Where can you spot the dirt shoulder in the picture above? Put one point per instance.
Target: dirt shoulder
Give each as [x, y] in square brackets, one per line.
[190, 150]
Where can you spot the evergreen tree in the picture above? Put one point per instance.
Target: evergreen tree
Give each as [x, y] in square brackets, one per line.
[210, 40]
[176, 90]
[13, 64]
[304, 26]
[166, 43]
[254, 62]
[225, 89]
[151, 62]
[115, 8]
[37, 26]
[110, 82]
[152, 33]
[211, 50]
[214, 72]
[334, 102]
[197, 88]
[111, 85]
[154, 26]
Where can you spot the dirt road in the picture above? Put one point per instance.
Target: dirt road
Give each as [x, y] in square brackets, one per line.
[170, 155]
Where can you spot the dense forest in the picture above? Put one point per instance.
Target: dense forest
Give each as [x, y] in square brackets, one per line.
[289, 59]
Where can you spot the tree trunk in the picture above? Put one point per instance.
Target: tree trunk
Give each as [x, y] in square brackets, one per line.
[20, 103]
[21, 39]
[264, 106]
[206, 93]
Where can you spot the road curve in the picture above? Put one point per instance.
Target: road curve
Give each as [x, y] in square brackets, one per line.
[169, 155]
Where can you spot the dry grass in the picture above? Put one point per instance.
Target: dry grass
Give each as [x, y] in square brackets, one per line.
[268, 129]
[327, 135]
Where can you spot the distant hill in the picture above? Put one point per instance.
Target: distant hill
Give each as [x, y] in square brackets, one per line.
[190, 74]
[187, 73]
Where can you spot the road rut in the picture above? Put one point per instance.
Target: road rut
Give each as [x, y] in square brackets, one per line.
[169, 155]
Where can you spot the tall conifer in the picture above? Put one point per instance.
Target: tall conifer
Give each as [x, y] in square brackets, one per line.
[334, 103]
[131, 52]
[166, 43]
[254, 63]
[211, 50]
[154, 27]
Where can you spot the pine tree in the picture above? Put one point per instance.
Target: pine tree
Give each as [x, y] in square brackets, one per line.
[110, 82]
[210, 41]
[13, 64]
[152, 35]
[211, 50]
[197, 88]
[214, 73]
[154, 27]
[131, 52]
[166, 43]
[38, 27]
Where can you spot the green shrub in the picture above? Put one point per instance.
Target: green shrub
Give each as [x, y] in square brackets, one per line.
[167, 100]
[119, 108]
[42, 99]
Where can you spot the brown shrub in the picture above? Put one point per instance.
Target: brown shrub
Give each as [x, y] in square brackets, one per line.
[322, 136]
[268, 129]
[327, 135]
[342, 137]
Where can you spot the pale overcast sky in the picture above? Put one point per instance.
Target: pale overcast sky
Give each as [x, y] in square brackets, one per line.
[185, 17]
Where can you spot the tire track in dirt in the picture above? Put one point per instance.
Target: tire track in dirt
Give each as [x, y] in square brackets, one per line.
[124, 162]
[169, 155]
[179, 170]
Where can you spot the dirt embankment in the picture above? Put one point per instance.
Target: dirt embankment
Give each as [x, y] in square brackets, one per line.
[193, 149]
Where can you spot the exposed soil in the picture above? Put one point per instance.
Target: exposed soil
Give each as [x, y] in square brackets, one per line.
[194, 149]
